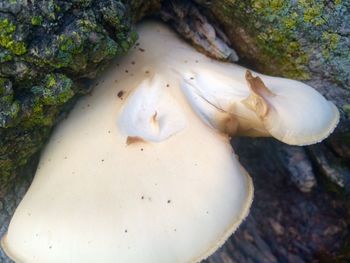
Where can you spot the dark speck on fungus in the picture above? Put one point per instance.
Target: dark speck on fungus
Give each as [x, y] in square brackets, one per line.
[120, 94]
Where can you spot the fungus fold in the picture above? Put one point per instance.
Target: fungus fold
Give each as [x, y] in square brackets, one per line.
[143, 171]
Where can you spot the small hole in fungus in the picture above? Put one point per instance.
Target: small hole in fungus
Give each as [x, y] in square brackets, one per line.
[109, 131]
[167, 85]
[197, 61]
[142, 197]
[50, 247]
[141, 149]
[191, 77]
[126, 231]
[141, 49]
[169, 201]
[146, 71]
[133, 62]
[126, 71]
[102, 160]
[115, 80]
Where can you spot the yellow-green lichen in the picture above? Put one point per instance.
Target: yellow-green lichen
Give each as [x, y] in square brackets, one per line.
[346, 109]
[9, 108]
[36, 20]
[57, 89]
[7, 30]
[313, 11]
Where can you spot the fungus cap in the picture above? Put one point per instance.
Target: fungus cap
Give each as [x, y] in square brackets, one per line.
[143, 171]
[132, 175]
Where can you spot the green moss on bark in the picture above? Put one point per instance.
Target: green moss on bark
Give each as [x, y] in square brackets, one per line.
[48, 51]
[289, 38]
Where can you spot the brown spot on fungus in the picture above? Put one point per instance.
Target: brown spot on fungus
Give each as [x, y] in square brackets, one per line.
[133, 139]
[257, 98]
[154, 118]
[120, 94]
[227, 124]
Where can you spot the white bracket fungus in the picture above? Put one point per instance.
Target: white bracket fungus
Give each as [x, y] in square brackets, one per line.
[143, 170]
